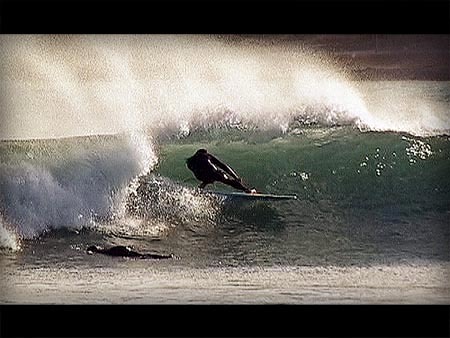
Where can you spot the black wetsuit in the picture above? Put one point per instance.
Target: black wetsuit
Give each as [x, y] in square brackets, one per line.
[124, 251]
[209, 169]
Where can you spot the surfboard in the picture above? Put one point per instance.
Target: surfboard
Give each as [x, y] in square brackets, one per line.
[242, 195]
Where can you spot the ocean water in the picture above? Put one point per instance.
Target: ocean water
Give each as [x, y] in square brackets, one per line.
[95, 154]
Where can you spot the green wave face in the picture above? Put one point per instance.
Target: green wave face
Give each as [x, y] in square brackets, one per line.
[340, 165]
[361, 195]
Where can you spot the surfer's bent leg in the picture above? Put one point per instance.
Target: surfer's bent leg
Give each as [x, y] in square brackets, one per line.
[234, 183]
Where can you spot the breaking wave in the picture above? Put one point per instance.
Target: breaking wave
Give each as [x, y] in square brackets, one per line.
[126, 97]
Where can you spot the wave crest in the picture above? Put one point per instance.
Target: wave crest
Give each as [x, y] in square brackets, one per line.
[41, 195]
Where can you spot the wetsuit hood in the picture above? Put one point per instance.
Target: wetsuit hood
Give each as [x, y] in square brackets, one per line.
[201, 151]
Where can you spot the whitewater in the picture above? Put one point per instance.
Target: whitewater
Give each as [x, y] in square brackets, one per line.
[95, 131]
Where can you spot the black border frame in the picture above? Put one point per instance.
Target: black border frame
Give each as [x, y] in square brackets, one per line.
[225, 17]
[224, 321]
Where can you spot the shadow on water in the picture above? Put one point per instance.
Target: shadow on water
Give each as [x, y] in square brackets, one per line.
[256, 213]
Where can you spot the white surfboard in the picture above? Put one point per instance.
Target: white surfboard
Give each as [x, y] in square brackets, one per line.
[248, 196]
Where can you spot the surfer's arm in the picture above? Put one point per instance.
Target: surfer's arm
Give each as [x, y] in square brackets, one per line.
[224, 167]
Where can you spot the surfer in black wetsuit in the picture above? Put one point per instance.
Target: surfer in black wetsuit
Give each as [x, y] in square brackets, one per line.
[125, 251]
[209, 169]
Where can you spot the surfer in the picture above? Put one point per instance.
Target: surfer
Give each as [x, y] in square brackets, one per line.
[208, 169]
[125, 251]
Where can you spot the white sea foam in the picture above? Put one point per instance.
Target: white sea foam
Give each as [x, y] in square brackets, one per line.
[91, 186]
[37, 197]
[8, 239]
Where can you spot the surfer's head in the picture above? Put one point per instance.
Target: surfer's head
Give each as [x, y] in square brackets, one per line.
[201, 151]
[92, 249]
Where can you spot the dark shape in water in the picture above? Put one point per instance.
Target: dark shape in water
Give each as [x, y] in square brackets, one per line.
[125, 251]
[209, 169]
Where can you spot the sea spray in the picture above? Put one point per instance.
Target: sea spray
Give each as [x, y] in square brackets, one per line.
[85, 85]
[126, 92]
[419, 108]
[8, 238]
